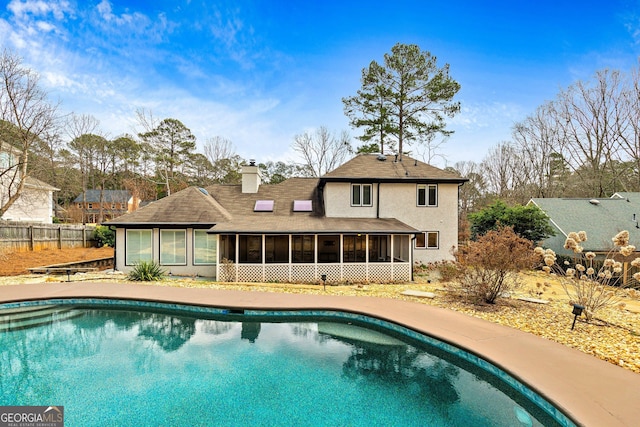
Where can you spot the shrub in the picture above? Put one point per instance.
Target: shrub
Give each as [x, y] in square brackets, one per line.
[488, 267]
[105, 236]
[593, 284]
[146, 271]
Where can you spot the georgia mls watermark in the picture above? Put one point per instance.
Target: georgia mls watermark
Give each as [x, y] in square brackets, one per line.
[31, 416]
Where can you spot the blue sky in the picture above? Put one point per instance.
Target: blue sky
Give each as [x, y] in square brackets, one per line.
[260, 72]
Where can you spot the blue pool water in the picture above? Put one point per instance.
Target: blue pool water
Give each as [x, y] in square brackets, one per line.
[117, 363]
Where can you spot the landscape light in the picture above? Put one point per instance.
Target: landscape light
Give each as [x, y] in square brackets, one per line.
[577, 311]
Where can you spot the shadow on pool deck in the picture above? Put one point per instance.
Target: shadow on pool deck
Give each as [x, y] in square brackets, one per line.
[590, 391]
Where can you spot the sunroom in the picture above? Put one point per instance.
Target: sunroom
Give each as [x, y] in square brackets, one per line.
[305, 249]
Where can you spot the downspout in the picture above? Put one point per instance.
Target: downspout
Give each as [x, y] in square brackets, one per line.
[411, 246]
[115, 247]
[378, 201]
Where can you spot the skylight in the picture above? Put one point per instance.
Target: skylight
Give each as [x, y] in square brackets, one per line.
[302, 206]
[263, 206]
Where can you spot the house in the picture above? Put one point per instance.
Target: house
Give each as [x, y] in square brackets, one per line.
[35, 202]
[601, 218]
[370, 219]
[102, 205]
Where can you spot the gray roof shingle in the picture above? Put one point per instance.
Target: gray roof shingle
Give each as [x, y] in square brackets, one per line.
[108, 196]
[228, 210]
[602, 219]
[371, 167]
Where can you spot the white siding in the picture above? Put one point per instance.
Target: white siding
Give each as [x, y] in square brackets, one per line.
[177, 270]
[33, 205]
[399, 201]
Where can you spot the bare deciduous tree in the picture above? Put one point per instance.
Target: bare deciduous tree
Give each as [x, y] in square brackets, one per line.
[26, 115]
[322, 151]
[224, 160]
[587, 117]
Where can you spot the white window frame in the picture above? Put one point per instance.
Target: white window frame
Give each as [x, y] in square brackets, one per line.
[129, 238]
[211, 244]
[428, 201]
[426, 235]
[361, 195]
[176, 257]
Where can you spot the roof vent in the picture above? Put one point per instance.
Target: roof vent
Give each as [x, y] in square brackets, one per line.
[252, 162]
[594, 202]
[382, 157]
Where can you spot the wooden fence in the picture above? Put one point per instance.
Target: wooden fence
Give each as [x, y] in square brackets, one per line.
[20, 237]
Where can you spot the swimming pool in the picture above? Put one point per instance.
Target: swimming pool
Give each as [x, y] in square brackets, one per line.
[111, 362]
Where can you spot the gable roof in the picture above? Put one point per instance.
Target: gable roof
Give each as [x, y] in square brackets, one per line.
[227, 209]
[108, 196]
[602, 219]
[39, 185]
[191, 206]
[377, 168]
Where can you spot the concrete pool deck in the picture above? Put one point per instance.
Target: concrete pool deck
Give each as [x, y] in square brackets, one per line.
[590, 391]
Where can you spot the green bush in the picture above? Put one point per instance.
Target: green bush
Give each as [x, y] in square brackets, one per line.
[146, 271]
[105, 236]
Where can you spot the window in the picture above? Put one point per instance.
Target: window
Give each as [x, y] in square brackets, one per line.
[173, 247]
[250, 249]
[354, 248]
[276, 249]
[427, 195]
[263, 206]
[228, 247]
[361, 195]
[138, 246]
[89, 205]
[328, 249]
[6, 160]
[427, 240]
[379, 247]
[302, 206]
[204, 247]
[303, 249]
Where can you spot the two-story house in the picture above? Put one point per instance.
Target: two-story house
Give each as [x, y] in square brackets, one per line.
[34, 202]
[103, 205]
[370, 219]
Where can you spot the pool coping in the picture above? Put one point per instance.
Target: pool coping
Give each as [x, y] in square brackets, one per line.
[589, 390]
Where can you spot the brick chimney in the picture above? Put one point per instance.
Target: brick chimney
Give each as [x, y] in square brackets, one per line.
[251, 177]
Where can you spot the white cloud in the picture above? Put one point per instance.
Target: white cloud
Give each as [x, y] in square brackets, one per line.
[21, 9]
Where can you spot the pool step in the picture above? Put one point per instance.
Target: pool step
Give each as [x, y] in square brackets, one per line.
[29, 317]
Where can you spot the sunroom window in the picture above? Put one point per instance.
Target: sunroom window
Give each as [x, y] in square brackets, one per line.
[173, 247]
[138, 246]
[204, 247]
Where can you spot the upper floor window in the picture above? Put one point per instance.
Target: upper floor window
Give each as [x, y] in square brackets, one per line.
[361, 195]
[6, 160]
[427, 195]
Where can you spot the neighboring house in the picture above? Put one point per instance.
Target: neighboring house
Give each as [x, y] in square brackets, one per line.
[35, 203]
[107, 204]
[370, 219]
[601, 218]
